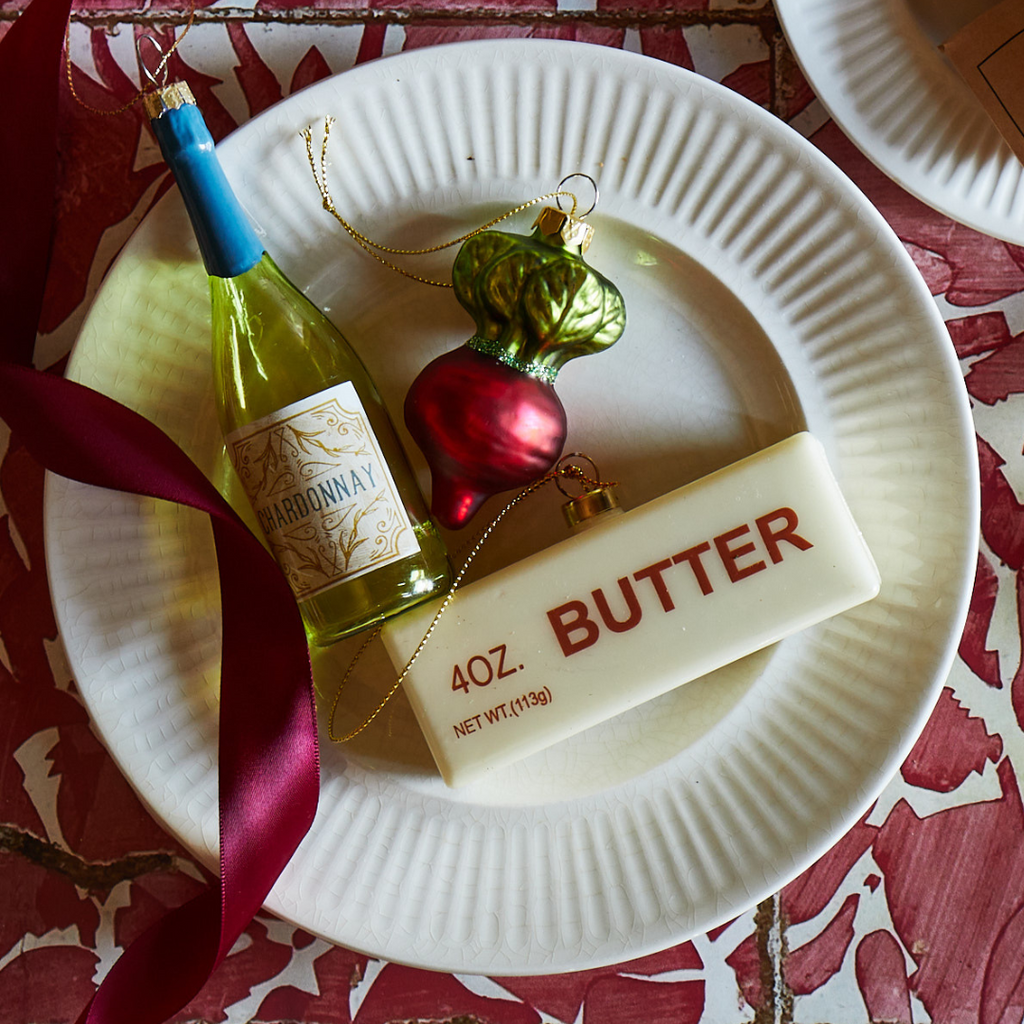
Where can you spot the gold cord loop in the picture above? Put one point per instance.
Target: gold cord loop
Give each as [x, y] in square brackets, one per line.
[156, 78]
[161, 68]
[319, 169]
[563, 470]
[566, 469]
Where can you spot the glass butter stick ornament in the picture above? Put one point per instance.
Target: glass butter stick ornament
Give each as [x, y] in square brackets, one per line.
[303, 423]
[640, 603]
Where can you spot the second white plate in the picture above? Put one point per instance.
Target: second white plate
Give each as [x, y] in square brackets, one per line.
[764, 295]
[876, 67]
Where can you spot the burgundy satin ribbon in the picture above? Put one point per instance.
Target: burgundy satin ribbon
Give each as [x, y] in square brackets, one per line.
[268, 752]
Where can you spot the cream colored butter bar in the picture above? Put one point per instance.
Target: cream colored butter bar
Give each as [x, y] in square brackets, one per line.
[633, 607]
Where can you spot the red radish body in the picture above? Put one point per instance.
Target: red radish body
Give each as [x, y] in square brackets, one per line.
[486, 415]
[483, 427]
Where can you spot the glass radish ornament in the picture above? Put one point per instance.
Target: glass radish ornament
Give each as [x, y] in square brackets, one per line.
[486, 415]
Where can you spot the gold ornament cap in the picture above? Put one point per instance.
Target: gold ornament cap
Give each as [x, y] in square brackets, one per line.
[571, 230]
[585, 508]
[168, 97]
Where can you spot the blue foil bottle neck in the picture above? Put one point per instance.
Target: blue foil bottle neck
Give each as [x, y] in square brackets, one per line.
[227, 241]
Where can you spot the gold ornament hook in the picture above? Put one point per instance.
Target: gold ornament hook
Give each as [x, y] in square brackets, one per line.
[597, 194]
[161, 68]
[568, 468]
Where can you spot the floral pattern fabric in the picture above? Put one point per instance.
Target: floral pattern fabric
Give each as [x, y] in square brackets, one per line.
[916, 915]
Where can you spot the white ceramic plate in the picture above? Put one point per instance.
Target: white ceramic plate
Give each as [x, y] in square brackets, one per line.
[764, 295]
[875, 66]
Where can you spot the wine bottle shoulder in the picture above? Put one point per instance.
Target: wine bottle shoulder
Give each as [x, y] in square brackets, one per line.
[273, 347]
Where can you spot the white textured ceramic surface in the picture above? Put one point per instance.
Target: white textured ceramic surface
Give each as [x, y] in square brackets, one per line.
[876, 66]
[763, 293]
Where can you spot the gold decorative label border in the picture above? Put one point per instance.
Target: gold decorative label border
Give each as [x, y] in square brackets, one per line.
[322, 491]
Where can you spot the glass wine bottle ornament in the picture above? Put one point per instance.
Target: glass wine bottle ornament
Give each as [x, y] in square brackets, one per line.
[303, 423]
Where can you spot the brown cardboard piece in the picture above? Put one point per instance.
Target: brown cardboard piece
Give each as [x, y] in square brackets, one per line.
[989, 54]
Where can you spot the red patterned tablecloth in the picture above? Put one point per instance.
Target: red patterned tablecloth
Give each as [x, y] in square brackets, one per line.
[916, 915]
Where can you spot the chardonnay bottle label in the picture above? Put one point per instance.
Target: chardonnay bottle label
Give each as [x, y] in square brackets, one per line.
[322, 492]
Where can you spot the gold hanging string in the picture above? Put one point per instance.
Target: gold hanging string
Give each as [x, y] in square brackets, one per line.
[563, 471]
[156, 78]
[375, 249]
